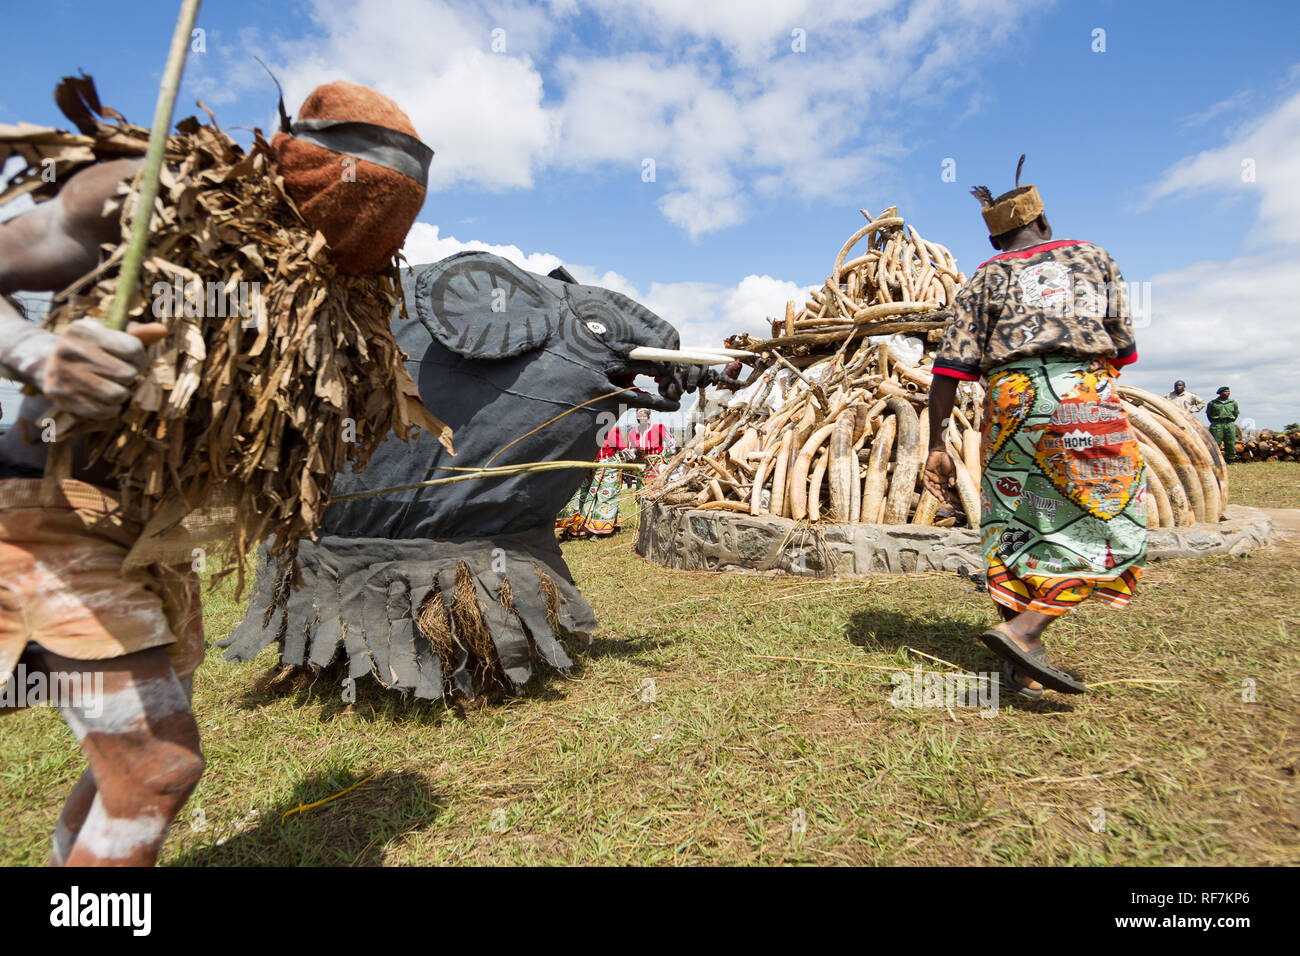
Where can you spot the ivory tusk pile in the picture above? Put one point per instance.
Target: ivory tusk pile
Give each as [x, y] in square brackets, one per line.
[848, 440]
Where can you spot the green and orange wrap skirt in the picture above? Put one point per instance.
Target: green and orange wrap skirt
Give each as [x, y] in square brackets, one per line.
[1063, 491]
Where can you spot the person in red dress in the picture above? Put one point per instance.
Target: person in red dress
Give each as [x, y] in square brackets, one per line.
[653, 445]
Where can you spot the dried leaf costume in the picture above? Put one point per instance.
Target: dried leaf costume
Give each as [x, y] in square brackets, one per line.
[279, 366]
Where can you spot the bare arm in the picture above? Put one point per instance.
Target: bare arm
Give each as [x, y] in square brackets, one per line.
[56, 243]
[87, 368]
[939, 475]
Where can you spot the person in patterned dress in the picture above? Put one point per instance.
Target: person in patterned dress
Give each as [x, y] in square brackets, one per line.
[1063, 486]
[593, 511]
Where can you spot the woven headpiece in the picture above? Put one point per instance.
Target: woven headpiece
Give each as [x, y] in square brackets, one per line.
[1017, 207]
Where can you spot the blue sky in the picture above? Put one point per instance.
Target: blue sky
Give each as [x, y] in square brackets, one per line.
[763, 153]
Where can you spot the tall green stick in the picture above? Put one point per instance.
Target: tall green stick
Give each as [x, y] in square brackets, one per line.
[162, 122]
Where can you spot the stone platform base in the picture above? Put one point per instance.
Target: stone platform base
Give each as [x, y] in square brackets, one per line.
[693, 540]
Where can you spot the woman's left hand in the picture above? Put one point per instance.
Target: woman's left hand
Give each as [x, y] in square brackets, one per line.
[940, 474]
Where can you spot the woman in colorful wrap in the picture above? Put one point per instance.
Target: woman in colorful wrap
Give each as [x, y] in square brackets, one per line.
[653, 444]
[1063, 489]
[592, 512]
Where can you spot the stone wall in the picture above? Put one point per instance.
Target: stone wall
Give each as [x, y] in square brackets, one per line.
[690, 539]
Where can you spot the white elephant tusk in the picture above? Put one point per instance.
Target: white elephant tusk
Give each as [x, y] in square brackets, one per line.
[643, 353]
[730, 353]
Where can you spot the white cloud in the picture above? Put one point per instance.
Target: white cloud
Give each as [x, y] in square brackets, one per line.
[1235, 323]
[1261, 164]
[749, 31]
[757, 298]
[1227, 323]
[729, 108]
[425, 243]
[480, 110]
[1227, 105]
[715, 92]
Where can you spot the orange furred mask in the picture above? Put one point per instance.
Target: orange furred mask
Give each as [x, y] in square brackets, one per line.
[352, 163]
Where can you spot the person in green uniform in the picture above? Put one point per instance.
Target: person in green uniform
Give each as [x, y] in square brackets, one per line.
[1222, 413]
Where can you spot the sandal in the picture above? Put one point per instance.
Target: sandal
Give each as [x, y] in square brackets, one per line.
[1018, 689]
[1031, 663]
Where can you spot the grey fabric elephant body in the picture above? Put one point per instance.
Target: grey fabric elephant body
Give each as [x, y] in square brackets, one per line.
[465, 579]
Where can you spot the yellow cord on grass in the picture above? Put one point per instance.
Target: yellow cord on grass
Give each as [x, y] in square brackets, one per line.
[301, 807]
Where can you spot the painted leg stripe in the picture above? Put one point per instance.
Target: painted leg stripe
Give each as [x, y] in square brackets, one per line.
[124, 710]
[112, 838]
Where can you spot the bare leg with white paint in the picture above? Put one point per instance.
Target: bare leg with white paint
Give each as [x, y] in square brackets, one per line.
[71, 819]
[143, 746]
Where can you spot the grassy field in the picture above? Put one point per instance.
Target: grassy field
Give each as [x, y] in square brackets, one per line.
[744, 719]
[1265, 484]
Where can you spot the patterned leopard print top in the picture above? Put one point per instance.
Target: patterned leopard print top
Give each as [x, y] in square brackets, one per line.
[1060, 296]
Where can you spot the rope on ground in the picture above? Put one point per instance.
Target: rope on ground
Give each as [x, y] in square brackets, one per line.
[301, 806]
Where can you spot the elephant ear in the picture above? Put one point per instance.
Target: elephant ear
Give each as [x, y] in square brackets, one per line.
[483, 307]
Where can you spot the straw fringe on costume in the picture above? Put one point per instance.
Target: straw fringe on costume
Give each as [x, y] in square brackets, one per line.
[427, 617]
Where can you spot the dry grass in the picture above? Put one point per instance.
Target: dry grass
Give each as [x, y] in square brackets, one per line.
[1265, 484]
[588, 769]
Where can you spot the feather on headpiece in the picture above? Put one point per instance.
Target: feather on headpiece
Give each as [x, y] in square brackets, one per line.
[1018, 207]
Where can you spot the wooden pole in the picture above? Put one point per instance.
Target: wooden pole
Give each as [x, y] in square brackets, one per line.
[162, 121]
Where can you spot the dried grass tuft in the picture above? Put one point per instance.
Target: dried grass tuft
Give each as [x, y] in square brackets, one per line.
[431, 619]
[552, 595]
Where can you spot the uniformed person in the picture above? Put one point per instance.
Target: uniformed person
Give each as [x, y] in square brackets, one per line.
[1222, 413]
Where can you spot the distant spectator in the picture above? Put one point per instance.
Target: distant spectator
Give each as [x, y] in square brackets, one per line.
[653, 444]
[1181, 397]
[1222, 413]
[593, 511]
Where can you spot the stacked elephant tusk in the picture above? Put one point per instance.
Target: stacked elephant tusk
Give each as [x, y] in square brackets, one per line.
[847, 446]
[848, 442]
[899, 274]
[1187, 480]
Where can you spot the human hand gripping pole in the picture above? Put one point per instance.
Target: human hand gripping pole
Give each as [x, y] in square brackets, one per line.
[87, 369]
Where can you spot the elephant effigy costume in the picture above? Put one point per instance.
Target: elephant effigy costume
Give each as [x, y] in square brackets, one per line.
[461, 588]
